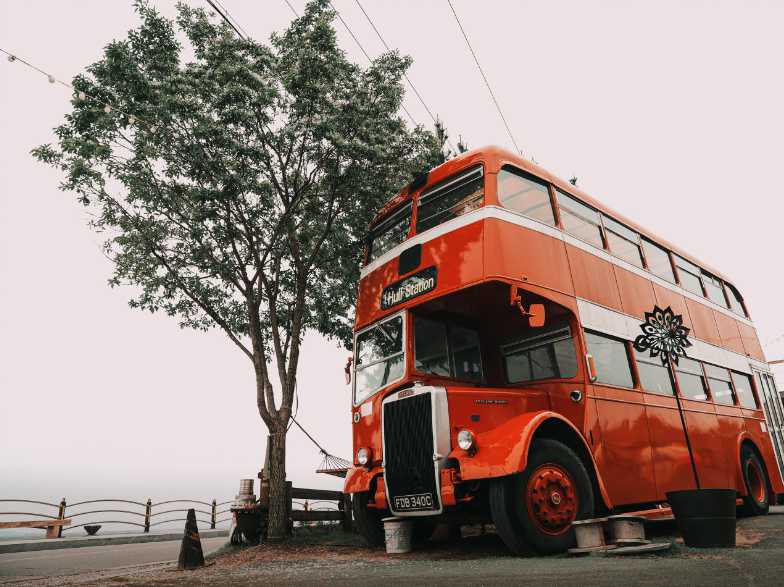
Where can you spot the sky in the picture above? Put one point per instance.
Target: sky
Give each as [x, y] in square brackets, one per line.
[668, 112]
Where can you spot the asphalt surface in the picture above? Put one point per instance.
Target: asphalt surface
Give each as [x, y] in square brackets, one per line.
[92, 558]
[758, 560]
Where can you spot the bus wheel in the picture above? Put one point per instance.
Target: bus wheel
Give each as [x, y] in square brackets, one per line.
[756, 501]
[502, 511]
[367, 520]
[553, 491]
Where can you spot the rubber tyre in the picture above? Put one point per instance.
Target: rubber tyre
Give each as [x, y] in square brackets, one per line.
[502, 511]
[422, 530]
[367, 520]
[550, 452]
[756, 502]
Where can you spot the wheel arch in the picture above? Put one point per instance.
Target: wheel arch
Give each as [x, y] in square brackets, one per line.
[745, 439]
[563, 431]
[504, 450]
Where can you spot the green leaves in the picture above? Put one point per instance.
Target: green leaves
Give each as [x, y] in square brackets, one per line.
[234, 189]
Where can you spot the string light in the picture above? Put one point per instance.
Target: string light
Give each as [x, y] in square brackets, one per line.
[51, 79]
[12, 58]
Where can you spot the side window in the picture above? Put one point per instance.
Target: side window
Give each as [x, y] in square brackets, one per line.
[743, 389]
[736, 302]
[713, 289]
[720, 385]
[544, 356]
[622, 242]
[658, 261]
[691, 379]
[450, 199]
[611, 358]
[524, 194]
[390, 233]
[580, 220]
[654, 377]
[690, 275]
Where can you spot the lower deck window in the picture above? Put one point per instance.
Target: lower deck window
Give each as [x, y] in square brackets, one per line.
[611, 359]
[691, 379]
[720, 385]
[654, 377]
[744, 391]
[543, 356]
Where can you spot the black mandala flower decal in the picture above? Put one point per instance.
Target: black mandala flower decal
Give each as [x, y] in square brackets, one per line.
[664, 336]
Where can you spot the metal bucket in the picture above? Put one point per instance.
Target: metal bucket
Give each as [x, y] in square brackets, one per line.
[706, 517]
[397, 535]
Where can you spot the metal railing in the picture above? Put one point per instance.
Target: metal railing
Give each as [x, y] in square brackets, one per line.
[148, 517]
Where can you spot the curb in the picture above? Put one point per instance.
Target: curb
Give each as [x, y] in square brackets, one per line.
[59, 543]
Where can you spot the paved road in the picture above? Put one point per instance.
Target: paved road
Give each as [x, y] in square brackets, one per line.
[74, 560]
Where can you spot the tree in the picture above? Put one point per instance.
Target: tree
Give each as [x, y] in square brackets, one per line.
[234, 190]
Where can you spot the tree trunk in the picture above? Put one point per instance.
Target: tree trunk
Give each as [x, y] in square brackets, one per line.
[278, 523]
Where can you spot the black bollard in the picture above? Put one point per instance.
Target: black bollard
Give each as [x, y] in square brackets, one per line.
[191, 556]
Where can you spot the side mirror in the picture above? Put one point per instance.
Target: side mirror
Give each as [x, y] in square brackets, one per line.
[536, 315]
[347, 369]
[590, 363]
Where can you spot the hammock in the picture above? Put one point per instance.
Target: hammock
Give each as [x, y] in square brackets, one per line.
[332, 465]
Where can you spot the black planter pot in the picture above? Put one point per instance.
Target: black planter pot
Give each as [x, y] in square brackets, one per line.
[705, 517]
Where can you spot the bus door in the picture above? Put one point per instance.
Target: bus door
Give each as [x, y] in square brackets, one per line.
[623, 454]
[774, 413]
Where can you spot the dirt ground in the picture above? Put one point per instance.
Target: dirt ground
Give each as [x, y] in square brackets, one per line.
[757, 560]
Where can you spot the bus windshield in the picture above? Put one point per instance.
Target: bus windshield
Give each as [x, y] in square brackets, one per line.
[379, 357]
[445, 349]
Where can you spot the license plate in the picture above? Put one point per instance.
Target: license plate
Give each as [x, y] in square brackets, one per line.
[420, 501]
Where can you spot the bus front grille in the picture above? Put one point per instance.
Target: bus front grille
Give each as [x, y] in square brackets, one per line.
[409, 469]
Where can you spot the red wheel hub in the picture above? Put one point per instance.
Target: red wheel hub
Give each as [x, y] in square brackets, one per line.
[551, 499]
[756, 478]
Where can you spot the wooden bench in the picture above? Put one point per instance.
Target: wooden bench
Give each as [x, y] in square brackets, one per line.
[52, 526]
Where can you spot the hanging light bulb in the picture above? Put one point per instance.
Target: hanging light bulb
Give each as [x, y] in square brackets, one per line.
[81, 96]
[12, 58]
[107, 109]
[131, 119]
[51, 79]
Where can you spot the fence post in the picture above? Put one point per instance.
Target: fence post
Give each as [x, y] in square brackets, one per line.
[289, 521]
[214, 515]
[147, 514]
[345, 507]
[60, 516]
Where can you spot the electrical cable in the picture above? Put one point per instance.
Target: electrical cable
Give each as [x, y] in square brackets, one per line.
[484, 77]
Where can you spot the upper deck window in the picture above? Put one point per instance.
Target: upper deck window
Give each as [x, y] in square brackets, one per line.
[389, 233]
[689, 275]
[736, 302]
[658, 260]
[580, 220]
[522, 193]
[713, 289]
[623, 242]
[449, 199]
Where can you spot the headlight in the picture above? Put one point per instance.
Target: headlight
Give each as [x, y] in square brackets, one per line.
[363, 456]
[465, 440]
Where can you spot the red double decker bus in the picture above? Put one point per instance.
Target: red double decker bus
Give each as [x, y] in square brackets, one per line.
[526, 356]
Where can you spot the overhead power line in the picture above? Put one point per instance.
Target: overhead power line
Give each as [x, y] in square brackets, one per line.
[484, 77]
[226, 18]
[410, 83]
[231, 16]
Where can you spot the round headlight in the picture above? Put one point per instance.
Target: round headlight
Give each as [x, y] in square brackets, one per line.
[465, 439]
[363, 456]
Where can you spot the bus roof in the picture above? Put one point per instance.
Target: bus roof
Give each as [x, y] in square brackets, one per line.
[494, 158]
